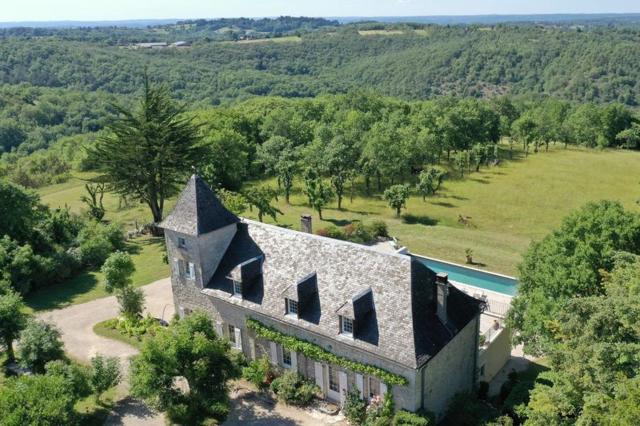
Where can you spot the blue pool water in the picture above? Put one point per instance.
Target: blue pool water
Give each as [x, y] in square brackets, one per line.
[474, 277]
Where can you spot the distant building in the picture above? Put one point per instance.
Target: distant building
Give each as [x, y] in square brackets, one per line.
[153, 45]
[182, 44]
[368, 308]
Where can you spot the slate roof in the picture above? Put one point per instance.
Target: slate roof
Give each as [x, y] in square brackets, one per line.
[400, 321]
[198, 211]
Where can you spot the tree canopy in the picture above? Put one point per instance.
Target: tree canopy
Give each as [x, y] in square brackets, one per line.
[567, 264]
[188, 350]
[147, 153]
[594, 357]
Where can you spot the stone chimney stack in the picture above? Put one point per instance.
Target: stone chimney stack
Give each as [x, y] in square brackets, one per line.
[442, 282]
[305, 224]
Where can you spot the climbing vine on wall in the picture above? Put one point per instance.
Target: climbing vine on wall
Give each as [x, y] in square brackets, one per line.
[317, 353]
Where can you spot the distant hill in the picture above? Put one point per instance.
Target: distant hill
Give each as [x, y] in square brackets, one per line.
[601, 18]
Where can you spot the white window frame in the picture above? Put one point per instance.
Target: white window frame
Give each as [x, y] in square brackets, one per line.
[286, 353]
[237, 289]
[190, 271]
[347, 331]
[290, 304]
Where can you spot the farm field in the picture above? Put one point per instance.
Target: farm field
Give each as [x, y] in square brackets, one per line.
[506, 208]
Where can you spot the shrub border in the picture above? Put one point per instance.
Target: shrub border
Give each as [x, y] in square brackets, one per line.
[317, 353]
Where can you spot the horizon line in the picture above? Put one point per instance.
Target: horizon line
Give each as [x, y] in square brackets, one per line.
[71, 20]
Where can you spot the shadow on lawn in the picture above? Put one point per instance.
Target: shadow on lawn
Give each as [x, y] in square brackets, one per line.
[61, 295]
[443, 204]
[339, 222]
[413, 219]
[484, 181]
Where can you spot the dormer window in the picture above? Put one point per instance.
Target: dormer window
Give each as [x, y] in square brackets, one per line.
[346, 325]
[299, 297]
[292, 307]
[357, 317]
[182, 243]
[237, 288]
[245, 275]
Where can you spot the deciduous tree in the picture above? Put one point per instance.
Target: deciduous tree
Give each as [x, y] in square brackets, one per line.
[318, 192]
[567, 264]
[12, 319]
[39, 343]
[188, 350]
[117, 271]
[396, 196]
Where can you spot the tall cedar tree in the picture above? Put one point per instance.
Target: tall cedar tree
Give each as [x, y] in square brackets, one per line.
[148, 152]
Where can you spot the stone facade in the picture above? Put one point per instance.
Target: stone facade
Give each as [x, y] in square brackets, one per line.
[398, 328]
[452, 370]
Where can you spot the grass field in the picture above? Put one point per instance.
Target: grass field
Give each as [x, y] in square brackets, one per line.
[508, 206]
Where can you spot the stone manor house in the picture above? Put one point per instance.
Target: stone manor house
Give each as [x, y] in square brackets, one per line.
[368, 308]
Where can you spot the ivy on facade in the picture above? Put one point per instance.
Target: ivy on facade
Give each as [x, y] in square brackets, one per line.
[317, 353]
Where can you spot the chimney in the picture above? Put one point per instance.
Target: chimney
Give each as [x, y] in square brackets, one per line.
[305, 224]
[442, 283]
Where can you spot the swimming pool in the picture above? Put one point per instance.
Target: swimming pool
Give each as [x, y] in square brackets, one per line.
[470, 276]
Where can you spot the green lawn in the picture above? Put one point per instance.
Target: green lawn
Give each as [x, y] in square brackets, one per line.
[508, 206]
[68, 194]
[147, 255]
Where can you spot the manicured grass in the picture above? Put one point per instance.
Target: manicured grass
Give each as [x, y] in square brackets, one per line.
[147, 255]
[104, 330]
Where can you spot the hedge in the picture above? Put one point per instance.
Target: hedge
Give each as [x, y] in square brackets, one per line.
[317, 353]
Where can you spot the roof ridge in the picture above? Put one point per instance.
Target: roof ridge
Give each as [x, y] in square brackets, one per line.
[323, 238]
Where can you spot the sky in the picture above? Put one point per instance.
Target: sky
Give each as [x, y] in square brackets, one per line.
[99, 10]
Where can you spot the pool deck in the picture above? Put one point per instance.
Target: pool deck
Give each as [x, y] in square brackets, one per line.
[497, 303]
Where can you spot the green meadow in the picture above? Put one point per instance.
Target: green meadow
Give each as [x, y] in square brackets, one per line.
[504, 208]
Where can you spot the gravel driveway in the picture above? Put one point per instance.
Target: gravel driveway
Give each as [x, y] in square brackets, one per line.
[76, 322]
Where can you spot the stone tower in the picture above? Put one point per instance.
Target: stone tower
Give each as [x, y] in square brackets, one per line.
[197, 232]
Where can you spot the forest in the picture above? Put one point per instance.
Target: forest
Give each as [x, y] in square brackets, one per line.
[585, 63]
